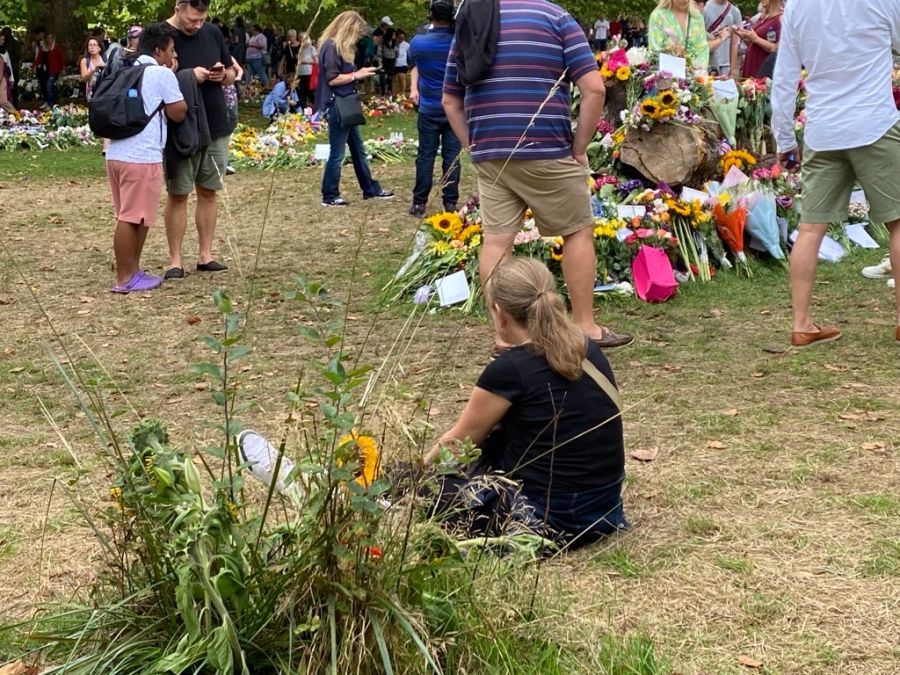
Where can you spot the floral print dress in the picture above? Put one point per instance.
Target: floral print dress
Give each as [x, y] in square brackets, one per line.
[666, 35]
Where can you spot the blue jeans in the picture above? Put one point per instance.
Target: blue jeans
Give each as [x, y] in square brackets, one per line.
[339, 137]
[434, 131]
[48, 89]
[257, 67]
[581, 517]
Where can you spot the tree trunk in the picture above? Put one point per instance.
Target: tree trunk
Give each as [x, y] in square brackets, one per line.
[676, 154]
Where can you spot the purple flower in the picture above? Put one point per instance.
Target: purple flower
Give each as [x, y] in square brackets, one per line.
[784, 201]
[630, 185]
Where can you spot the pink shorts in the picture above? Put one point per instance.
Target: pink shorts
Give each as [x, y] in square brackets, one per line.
[136, 189]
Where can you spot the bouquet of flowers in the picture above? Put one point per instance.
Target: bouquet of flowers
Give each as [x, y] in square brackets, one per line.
[752, 112]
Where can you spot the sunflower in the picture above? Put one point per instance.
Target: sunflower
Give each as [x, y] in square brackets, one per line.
[467, 233]
[369, 457]
[556, 249]
[619, 136]
[623, 73]
[650, 107]
[679, 207]
[448, 223]
[741, 159]
[667, 99]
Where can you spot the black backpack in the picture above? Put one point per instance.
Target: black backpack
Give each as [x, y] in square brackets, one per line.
[116, 110]
[477, 33]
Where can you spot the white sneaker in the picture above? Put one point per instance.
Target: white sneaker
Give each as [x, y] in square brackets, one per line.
[262, 457]
[890, 283]
[880, 271]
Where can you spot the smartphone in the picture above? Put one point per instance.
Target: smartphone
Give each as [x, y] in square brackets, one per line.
[217, 69]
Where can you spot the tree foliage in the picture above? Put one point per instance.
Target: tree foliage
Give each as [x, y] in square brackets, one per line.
[67, 17]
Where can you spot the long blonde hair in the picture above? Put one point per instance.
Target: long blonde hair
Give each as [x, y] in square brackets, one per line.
[525, 289]
[345, 29]
[667, 4]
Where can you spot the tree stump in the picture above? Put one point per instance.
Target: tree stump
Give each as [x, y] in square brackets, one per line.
[676, 154]
[616, 102]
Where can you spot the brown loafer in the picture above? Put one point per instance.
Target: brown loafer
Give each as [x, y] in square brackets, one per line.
[612, 340]
[823, 334]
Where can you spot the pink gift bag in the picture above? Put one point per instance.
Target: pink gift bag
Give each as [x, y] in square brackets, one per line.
[654, 278]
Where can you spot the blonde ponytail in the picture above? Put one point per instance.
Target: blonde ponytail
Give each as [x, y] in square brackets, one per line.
[525, 289]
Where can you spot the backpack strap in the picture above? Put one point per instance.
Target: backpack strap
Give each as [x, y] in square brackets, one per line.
[603, 382]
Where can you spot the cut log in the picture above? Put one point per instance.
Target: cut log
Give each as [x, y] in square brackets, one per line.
[616, 102]
[677, 154]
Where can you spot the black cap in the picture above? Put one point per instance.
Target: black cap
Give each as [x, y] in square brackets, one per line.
[442, 10]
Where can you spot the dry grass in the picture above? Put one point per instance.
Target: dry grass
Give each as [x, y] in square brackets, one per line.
[776, 543]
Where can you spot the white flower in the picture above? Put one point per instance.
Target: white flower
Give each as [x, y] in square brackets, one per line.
[607, 141]
[637, 56]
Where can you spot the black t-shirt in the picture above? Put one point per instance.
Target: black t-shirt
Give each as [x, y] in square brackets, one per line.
[204, 49]
[538, 394]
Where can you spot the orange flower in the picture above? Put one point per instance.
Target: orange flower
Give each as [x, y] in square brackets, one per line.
[374, 551]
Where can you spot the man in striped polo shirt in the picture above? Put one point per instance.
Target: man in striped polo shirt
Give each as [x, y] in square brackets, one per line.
[517, 123]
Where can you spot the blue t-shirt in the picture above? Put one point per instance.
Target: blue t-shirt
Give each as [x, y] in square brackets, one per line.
[539, 41]
[332, 64]
[428, 54]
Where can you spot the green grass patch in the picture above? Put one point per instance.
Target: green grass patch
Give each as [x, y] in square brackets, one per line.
[702, 526]
[883, 559]
[732, 564]
[618, 561]
[882, 504]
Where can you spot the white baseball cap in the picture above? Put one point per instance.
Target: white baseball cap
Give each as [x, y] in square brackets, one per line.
[387, 20]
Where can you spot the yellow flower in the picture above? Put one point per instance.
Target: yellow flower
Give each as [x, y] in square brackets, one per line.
[679, 207]
[606, 72]
[232, 510]
[556, 249]
[623, 73]
[741, 159]
[369, 457]
[475, 242]
[619, 136]
[667, 99]
[605, 229]
[446, 223]
[440, 248]
[650, 108]
[468, 232]
[725, 199]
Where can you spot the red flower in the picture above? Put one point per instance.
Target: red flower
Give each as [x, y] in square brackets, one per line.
[374, 551]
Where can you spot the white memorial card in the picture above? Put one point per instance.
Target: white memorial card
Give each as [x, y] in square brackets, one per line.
[725, 90]
[323, 152]
[452, 289]
[692, 195]
[626, 212]
[859, 196]
[674, 65]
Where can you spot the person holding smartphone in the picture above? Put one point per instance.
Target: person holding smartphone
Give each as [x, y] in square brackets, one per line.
[722, 18]
[338, 78]
[201, 48]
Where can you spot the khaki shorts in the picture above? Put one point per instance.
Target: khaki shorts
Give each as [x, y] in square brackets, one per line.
[136, 189]
[206, 169]
[556, 191]
[829, 177]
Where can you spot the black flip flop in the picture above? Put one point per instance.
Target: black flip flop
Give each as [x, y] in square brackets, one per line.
[211, 266]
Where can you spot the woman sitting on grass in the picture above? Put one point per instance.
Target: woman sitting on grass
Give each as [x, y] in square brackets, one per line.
[560, 437]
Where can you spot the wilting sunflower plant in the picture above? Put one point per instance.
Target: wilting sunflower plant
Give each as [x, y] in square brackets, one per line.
[203, 572]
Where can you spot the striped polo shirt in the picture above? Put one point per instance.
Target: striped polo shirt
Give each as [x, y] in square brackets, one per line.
[539, 41]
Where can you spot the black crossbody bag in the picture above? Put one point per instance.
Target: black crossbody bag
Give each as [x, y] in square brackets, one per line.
[349, 110]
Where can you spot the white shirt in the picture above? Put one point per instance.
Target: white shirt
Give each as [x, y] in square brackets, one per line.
[845, 46]
[159, 85]
[402, 55]
[601, 29]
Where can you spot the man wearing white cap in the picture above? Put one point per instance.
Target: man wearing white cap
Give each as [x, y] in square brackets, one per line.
[386, 38]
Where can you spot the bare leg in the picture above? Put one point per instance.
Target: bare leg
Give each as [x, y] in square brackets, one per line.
[579, 265]
[176, 224]
[127, 242]
[804, 260]
[894, 229]
[494, 249]
[205, 218]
